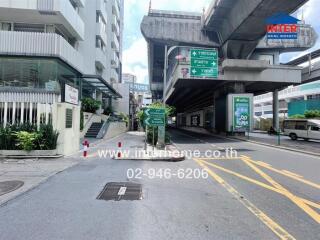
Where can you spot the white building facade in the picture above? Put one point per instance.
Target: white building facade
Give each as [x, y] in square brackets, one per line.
[46, 45]
[53, 53]
[307, 93]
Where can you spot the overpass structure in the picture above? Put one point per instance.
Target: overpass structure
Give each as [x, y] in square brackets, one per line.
[311, 72]
[248, 60]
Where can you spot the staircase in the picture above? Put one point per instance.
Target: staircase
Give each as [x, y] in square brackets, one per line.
[94, 130]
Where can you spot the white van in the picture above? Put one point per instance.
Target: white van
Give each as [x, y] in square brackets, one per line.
[304, 128]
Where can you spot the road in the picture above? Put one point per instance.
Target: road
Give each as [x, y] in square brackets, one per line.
[263, 193]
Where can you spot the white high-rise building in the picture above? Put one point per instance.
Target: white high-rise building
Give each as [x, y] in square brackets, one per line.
[48, 47]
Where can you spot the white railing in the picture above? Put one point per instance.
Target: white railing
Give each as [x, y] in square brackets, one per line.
[26, 107]
[39, 44]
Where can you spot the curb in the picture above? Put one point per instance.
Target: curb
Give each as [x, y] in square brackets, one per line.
[156, 159]
[265, 144]
[276, 146]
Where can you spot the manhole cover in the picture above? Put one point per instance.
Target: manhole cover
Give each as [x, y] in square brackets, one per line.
[121, 191]
[9, 186]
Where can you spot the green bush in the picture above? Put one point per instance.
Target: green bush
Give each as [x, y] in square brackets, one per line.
[26, 141]
[27, 137]
[47, 137]
[150, 136]
[312, 114]
[298, 116]
[90, 105]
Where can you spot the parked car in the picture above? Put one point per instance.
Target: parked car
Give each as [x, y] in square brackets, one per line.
[302, 128]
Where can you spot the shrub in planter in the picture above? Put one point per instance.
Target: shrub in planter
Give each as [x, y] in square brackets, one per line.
[26, 140]
[47, 137]
[90, 105]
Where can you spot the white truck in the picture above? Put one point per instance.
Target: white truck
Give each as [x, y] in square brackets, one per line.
[302, 128]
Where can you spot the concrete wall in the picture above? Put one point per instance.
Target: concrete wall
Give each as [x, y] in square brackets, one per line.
[115, 129]
[69, 138]
[122, 105]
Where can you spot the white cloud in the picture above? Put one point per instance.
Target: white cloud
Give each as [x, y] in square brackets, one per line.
[135, 60]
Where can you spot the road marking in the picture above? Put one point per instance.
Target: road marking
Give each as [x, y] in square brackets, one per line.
[275, 227]
[286, 173]
[307, 209]
[261, 184]
[292, 174]
[122, 191]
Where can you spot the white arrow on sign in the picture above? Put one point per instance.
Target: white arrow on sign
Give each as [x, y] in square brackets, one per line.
[194, 71]
[213, 64]
[194, 54]
[147, 121]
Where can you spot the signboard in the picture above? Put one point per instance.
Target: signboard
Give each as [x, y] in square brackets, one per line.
[154, 117]
[204, 63]
[282, 26]
[139, 87]
[241, 113]
[71, 95]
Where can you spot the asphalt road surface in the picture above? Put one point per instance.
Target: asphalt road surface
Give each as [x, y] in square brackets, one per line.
[258, 193]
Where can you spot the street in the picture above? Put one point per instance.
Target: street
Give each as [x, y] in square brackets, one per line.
[264, 193]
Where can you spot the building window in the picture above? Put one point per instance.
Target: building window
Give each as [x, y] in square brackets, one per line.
[32, 73]
[5, 26]
[26, 27]
[316, 96]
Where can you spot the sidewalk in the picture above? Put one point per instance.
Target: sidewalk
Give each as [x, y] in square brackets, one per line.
[30, 172]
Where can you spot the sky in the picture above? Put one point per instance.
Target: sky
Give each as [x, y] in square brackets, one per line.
[135, 56]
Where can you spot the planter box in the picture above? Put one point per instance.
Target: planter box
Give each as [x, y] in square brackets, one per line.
[34, 153]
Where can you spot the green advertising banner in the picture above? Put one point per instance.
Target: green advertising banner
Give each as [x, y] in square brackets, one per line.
[241, 113]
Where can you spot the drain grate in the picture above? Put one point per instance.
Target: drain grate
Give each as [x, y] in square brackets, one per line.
[9, 186]
[117, 191]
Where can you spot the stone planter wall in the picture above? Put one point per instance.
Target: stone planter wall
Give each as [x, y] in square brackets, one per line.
[25, 153]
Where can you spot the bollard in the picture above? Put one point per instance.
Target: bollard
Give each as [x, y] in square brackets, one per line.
[119, 151]
[85, 148]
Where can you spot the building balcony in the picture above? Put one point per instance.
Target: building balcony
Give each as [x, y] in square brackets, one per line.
[116, 9]
[101, 32]
[79, 3]
[114, 60]
[100, 58]
[39, 44]
[45, 12]
[115, 43]
[114, 76]
[115, 25]
[101, 7]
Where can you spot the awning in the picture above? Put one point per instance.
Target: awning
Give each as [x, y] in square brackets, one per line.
[101, 84]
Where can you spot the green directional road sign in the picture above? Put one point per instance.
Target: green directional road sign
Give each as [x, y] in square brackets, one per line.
[154, 117]
[204, 63]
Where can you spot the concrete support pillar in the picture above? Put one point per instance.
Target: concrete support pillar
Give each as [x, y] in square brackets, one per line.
[276, 110]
